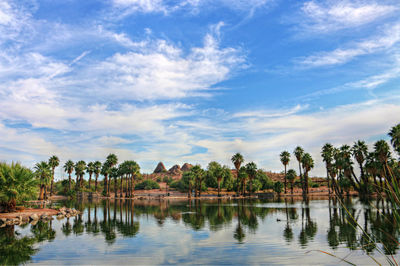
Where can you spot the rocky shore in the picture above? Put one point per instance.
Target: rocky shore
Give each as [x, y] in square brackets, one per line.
[33, 216]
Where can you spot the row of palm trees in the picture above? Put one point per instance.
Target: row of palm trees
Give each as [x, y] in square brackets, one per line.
[379, 171]
[306, 163]
[249, 171]
[125, 172]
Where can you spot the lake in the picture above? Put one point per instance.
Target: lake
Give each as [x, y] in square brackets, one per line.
[284, 231]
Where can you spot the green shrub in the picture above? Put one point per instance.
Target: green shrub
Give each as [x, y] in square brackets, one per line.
[147, 185]
[158, 179]
[278, 187]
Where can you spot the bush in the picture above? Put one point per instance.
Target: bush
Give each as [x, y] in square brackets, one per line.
[256, 186]
[278, 187]
[313, 184]
[158, 179]
[179, 185]
[147, 185]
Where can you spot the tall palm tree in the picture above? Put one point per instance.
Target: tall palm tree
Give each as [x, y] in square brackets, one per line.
[251, 169]
[43, 172]
[111, 161]
[96, 170]
[327, 157]
[132, 170]
[198, 174]
[90, 171]
[80, 168]
[382, 151]
[360, 153]
[242, 177]
[299, 152]
[291, 176]
[53, 163]
[308, 163]
[68, 168]
[237, 161]
[395, 137]
[105, 170]
[285, 158]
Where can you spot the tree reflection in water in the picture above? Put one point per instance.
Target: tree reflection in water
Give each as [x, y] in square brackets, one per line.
[120, 218]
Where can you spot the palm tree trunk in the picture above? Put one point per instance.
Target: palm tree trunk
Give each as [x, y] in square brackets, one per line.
[95, 183]
[90, 179]
[105, 184]
[285, 179]
[41, 193]
[52, 181]
[133, 185]
[219, 187]
[189, 191]
[69, 181]
[115, 187]
[301, 178]
[121, 187]
[251, 186]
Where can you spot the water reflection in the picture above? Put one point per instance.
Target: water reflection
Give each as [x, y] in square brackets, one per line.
[296, 220]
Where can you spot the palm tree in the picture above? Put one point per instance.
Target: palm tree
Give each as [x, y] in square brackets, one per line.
[132, 170]
[237, 160]
[395, 138]
[68, 168]
[216, 170]
[17, 183]
[327, 157]
[382, 151]
[53, 163]
[96, 170]
[251, 169]
[360, 153]
[299, 152]
[308, 163]
[285, 158]
[105, 169]
[43, 172]
[80, 168]
[291, 176]
[242, 177]
[90, 171]
[198, 174]
[111, 161]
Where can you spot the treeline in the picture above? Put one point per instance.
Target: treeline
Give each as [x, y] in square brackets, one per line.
[379, 170]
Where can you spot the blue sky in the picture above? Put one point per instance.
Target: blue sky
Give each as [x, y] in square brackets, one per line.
[195, 80]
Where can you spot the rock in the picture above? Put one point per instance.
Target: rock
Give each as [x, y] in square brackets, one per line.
[24, 219]
[9, 222]
[34, 217]
[3, 221]
[160, 168]
[186, 167]
[67, 215]
[16, 221]
[34, 222]
[3, 225]
[175, 170]
[60, 217]
[44, 217]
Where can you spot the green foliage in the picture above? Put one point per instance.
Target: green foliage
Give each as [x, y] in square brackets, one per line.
[17, 183]
[265, 181]
[278, 187]
[158, 179]
[168, 180]
[255, 187]
[147, 185]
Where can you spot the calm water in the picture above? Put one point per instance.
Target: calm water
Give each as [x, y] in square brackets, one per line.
[204, 232]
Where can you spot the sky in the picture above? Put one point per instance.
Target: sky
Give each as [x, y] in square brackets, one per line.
[195, 80]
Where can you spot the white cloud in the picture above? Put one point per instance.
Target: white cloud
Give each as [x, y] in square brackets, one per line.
[160, 70]
[384, 42]
[327, 16]
[128, 7]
